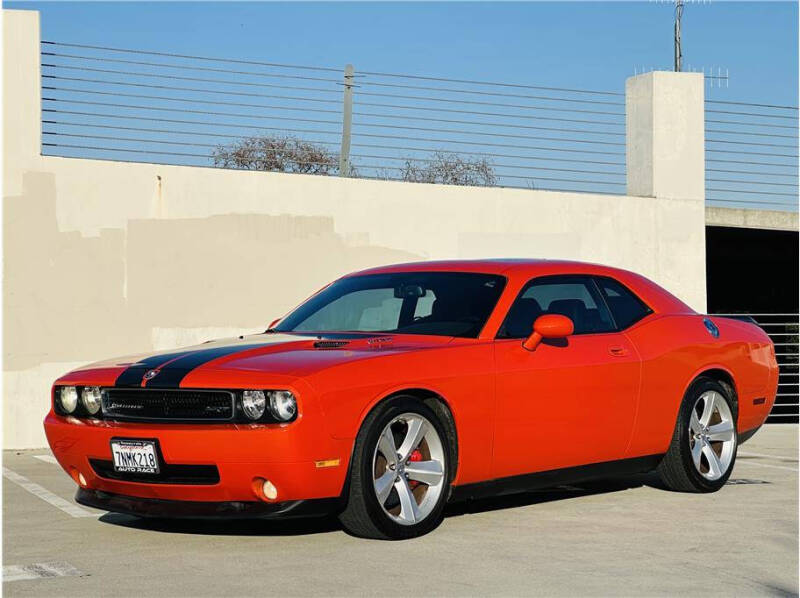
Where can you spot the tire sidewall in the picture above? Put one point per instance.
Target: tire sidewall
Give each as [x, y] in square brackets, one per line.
[383, 415]
[692, 394]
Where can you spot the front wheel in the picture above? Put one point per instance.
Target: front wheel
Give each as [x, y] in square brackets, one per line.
[703, 448]
[400, 473]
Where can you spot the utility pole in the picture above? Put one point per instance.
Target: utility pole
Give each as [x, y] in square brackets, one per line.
[347, 121]
[678, 53]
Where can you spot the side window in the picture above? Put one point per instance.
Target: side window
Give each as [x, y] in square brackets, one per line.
[571, 296]
[626, 307]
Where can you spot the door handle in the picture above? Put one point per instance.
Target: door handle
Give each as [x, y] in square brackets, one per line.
[618, 351]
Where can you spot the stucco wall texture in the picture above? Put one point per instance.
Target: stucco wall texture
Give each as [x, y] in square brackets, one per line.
[108, 258]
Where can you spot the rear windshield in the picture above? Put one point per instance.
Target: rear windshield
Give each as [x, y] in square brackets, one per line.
[436, 303]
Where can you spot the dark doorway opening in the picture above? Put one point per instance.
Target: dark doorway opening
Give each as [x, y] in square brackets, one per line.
[751, 271]
[754, 271]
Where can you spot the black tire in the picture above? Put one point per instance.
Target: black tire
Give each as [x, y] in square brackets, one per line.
[677, 470]
[363, 516]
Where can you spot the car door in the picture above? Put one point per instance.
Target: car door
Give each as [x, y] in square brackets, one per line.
[570, 401]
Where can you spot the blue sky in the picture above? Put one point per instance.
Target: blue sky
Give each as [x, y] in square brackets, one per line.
[589, 45]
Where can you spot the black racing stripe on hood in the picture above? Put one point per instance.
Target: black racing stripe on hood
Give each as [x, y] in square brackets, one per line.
[171, 375]
[132, 376]
[178, 364]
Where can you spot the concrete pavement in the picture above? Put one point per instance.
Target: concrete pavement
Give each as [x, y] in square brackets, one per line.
[612, 538]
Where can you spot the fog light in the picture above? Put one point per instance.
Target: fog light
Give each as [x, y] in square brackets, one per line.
[78, 477]
[269, 490]
[264, 489]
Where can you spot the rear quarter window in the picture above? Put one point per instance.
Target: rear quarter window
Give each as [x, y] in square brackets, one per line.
[626, 307]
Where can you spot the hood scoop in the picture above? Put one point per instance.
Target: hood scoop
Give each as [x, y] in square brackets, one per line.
[330, 344]
[375, 342]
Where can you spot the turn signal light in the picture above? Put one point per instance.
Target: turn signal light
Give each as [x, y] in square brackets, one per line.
[327, 463]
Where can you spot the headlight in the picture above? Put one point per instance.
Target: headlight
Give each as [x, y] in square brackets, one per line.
[282, 405]
[254, 403]
[91, 399]
[68, 398]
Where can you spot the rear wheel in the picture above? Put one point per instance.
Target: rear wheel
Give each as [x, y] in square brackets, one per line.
[703, 448]
[400, 474]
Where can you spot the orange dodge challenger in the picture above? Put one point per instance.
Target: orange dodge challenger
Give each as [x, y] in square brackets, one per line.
[394, 390]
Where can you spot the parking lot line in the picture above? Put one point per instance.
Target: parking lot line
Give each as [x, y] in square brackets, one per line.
[46, 458]
[46, 495]
[39, 571]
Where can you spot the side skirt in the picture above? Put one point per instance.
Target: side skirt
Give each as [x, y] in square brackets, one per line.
[555, 477]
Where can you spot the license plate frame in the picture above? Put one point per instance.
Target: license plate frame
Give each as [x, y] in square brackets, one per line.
[133, 455]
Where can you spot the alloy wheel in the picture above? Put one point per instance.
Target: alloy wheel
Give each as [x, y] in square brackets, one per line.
[712, 438]
[408, 467]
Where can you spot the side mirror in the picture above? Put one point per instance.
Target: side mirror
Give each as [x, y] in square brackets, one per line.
[274, 322]
[548, 326]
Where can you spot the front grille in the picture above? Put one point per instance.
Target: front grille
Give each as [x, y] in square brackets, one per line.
[169, 474]
[145, 404]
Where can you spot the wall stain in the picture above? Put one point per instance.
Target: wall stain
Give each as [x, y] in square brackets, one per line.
[72, 298]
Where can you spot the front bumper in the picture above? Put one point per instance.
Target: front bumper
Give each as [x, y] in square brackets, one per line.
[184, 509]
[285, 454]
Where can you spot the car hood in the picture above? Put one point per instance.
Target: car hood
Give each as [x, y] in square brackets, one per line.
[272, 353]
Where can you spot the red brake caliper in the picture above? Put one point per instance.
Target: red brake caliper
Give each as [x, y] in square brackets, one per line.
[415, 456]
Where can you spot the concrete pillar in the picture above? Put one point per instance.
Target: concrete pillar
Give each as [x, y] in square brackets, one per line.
[22, 107]
[664, 119]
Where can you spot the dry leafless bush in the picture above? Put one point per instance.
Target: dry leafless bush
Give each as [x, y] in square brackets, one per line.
[449, 169]
[279, 154]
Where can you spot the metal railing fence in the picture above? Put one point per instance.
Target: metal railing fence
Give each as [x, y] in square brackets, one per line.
[127, 104]
[783, 330]
[137, 105]
[751, 155]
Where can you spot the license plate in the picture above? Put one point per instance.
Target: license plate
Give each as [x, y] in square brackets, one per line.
[134, 456]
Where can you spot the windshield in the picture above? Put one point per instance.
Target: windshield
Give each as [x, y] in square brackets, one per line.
[437, 303]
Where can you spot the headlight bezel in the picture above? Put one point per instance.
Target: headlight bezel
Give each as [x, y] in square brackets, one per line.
[281, 406]
[81, 409]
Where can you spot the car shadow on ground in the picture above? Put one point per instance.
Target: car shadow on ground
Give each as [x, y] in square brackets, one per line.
[230, 527]
[559, 493]
[321, 525]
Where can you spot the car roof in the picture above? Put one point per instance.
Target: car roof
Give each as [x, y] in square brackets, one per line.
[520, 270]
[493, 266]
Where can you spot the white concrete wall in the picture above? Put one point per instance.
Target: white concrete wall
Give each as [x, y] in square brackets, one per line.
[106, 258]
[749, 218]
